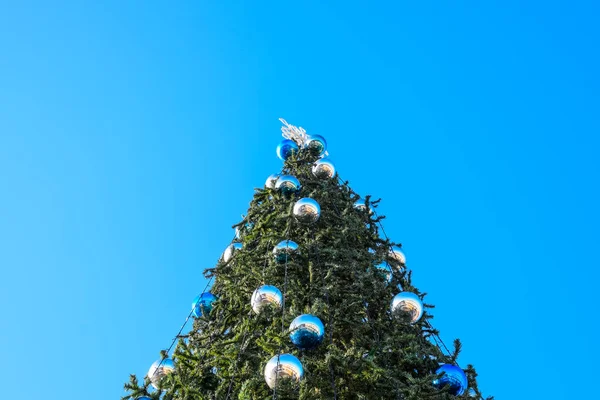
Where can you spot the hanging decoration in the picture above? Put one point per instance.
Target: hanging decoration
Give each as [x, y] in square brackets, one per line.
[284, 250]
[283, 367]
[286, 149]
[159, 369]
[397, 256]
[407, 303]
[323, 169]
[454, 377]
[203, 304]
[307, 331]
[386, 270]
[307, 210]
[271, 180]
[288, 185]
[316, 144]
[231, 250]
[266, 295]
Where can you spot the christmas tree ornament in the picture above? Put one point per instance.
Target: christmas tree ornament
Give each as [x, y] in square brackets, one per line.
[284, 250]
[244, 230]
[231, 250]
[143, 398]
[159, 369]
[283, 367]
[316, 144]
[286, 149]
[307, 210]
[288, 185]
[452, 376]
[323, 169]
[396, 255]
[203, 304]
[386, 270]
[361, 206]
[307, 331]
[266, 295]
[407, 303]
[271, 180]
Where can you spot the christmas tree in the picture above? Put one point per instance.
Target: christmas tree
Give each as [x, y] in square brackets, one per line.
[310, 301]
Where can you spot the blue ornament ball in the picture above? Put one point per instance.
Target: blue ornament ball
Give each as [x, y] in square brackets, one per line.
[408, 303]
[286, 149]
[159, 369]
[307, 210]
[283, 367]
[288, 185]
[203, 304]
[307, 331]
[453, 377]
[316, 144]
[284, 250]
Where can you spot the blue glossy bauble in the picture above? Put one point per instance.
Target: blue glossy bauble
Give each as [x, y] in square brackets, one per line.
[386, 270]
[307, 210]
[271, 180]
[286, 149]
[203, 304]
[323, 169]
[231, 250]
[266, 295]
[453, 377]
[316, 144]
[159, 369]
[288, 184]
[397, 256]
[284, 250]
[283, 367]
[307, 331]
[407, 303]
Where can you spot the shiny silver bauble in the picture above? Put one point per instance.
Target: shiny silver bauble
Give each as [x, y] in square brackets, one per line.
[323, 169]
[288, 184]
[407, 303]
[283, 367]
[307, 210]
[284, 250]
[231, 250]
[160, 369]
[264, 296]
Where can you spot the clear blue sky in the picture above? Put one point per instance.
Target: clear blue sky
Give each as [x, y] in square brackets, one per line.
[132, 135]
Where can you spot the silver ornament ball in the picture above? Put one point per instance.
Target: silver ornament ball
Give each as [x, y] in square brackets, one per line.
[307, 331]
[323, 169]
[316, 144]
[397, 256]
[271, 180]
[284, 250]
[288, 184]
[283, 367]
[407, 303]
[307, 210]
[159, 369]
[231, 250]
[264, 296]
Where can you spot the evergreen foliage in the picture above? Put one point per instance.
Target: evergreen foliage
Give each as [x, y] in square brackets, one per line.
[367, 353]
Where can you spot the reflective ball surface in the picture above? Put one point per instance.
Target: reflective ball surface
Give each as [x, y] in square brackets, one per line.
[396, 255]
[288, 184]
[386, 270]
[143, 398]
[244, 230]
[307, 210]
[284, 250]
[286, 149]
[231, 250]
[316, 144]
[408, 303]
[453, 377]
[271, 180]
[266, 295]
[323, 169]
[307, 331]
[203, 304]
[159, 369]
[283, 367]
